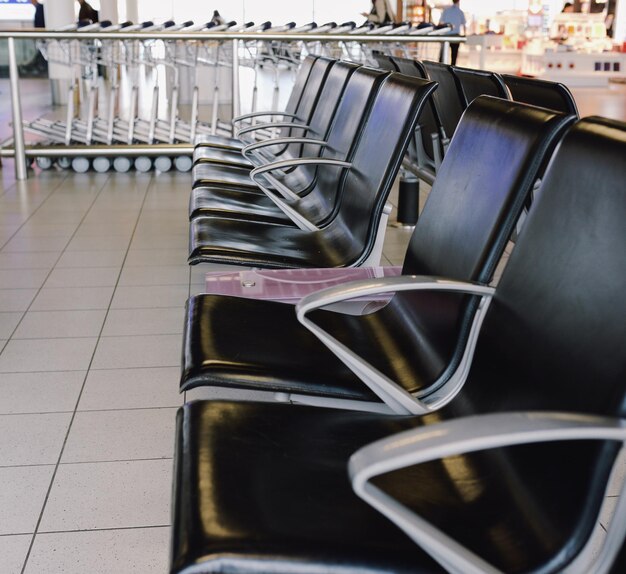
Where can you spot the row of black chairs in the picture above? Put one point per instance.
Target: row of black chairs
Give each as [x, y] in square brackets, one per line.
[458, 427]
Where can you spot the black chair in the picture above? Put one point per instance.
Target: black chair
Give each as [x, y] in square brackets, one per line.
[522, 456]
[301, 123]
[385, 62]
[352, 233]
[546, 94]
[314, 188]
[448, 97]
[416, 340]
[223, 142]
[476, 83]
[205, 172]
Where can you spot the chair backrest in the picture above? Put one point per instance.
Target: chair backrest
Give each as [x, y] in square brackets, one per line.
[429, 121]
[384, 61]
[310, 95]
[320, 202]
[561, 299]
[480, 189]
[375, 163]
[476, 83]
[298, 87]
[448, 98]
[543, 93]
[553, 338]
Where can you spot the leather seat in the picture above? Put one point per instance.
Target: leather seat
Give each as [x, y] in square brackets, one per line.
[461, 233]
[349, 237]
[263, 487]
[316, 187]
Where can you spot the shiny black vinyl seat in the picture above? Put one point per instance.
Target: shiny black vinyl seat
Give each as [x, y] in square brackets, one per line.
[512, 473]
[348, 95]
[230, 167]
[351, 234]
[448, 97]
[418, 339]
[205, 142]
[476, 83]
[431, 143]
[543, 93]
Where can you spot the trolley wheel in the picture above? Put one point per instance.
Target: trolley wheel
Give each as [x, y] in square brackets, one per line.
[80, 164]
[163, 163]
[183, 163]
[143, 163]
[101, 164]
[64, 162]
[44, 162]
[122, 164]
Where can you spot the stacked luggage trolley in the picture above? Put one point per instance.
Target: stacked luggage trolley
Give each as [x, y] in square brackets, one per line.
[124, 53]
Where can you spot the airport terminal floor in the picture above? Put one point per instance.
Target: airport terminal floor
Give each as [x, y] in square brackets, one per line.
[94, 280]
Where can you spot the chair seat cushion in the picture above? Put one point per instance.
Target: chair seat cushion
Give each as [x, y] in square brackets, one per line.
[293, 360]
[221, 156]
[235, 203]
[216, 141]
[212, 174]
[272, 246]
[250, 498]
[263, 487]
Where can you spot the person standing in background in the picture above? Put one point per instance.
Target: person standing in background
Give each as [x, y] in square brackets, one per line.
[453, 15]
[381, 12]
[86, 12]
[40, 21]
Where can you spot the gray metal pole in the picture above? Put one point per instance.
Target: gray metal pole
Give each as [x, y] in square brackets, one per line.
[21, 172]
[236, 95]
[445, 52]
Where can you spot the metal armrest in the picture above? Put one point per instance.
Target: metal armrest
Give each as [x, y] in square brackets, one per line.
[279, 165]
[461, 436]
[251, 115]
[280, 141]
[396, 398]
[273, 125]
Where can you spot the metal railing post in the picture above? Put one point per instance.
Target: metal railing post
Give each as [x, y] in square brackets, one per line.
[236, 95]
[21, 172]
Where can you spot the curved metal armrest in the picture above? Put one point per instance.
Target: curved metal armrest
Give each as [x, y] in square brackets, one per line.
[457, 437]
[244, 117]
[282, 164]
[399, 400]
[271, 125]
[280, 141]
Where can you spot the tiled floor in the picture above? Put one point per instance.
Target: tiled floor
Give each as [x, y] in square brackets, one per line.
[93, 282]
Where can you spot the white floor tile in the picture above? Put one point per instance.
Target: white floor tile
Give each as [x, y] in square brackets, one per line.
[16, 299]
[155, 275]
[101, 495]
[53, 324]
[37, 260]
[150, 296]
[32, 439]
[121, 322]
[72, 298]
[149, 257]
[140, 351]
[608, 510]
[83, 277]
[131, 389]
[30, 244]
[8, 322]
[22, 493]
[121, 435]
[139, 550]
[23, 278]
[13, 550]
[30, 355]
[111, 243]
[152, 241]
[39, 392]
[104, 258]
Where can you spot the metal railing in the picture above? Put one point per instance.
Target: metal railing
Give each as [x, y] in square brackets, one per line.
[20, 151]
